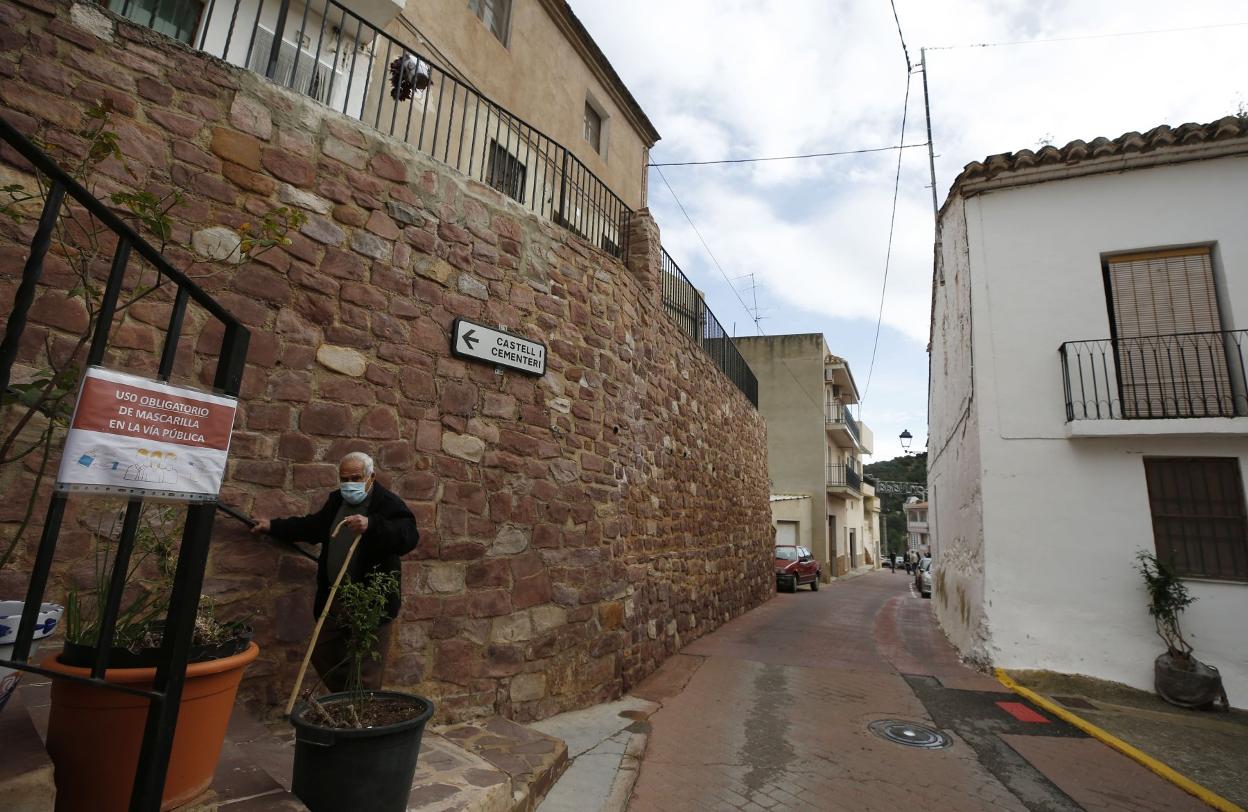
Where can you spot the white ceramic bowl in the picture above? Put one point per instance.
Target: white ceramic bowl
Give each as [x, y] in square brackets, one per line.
[11, 615]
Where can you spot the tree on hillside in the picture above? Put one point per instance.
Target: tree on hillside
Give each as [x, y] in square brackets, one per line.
[909, 468]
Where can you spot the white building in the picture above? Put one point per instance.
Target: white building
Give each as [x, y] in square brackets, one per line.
[917, 537]
[1087, 401]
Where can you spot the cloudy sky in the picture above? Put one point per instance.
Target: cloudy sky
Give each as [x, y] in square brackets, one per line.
[747, 78]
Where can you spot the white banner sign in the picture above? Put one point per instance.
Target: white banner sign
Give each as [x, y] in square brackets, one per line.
[135, 436]
[472, 340]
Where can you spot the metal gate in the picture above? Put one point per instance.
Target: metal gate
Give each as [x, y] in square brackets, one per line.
[166, 693]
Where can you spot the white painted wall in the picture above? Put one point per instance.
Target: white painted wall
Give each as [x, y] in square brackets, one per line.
[1062, 517]
[953, 467]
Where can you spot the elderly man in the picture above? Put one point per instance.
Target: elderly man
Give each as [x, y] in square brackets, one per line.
[387, 530]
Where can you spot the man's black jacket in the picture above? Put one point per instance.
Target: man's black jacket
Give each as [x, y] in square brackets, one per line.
[391, 533]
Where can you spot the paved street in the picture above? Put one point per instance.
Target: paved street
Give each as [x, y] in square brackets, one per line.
[771, 712]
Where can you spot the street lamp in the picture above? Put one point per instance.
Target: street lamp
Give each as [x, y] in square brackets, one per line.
[906, 437]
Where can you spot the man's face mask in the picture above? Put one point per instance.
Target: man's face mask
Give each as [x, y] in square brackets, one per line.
[353, 492]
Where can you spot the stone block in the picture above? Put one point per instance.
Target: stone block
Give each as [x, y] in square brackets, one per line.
[464, 446]
[250, 116]
[236, 147]
[527, 687]
[327, 419]
[342, 359]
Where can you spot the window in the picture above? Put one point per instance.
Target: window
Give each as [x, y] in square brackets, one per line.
[1167, 331]
[496, 14]
[170, 17]
[505, 172]
[593, 127]
[1199, 524]
[294, 67]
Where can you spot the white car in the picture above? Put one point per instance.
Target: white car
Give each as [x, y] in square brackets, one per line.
[924, 577]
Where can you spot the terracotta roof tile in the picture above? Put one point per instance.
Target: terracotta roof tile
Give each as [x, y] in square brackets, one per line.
[1163, 137]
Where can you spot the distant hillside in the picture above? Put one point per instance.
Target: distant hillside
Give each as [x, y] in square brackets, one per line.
[910, 468]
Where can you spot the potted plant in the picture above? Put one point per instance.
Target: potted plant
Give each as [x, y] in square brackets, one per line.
[357, 749]
[1178, 677]
[94, 734]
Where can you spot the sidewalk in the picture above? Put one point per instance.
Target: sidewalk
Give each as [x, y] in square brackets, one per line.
[1208, 747]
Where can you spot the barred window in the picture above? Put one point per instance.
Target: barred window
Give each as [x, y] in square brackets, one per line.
[1199, 524]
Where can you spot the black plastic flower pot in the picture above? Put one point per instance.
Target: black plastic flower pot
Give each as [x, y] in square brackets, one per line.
[359, 769]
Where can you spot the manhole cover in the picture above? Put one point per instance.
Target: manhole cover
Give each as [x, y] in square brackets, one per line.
[909, 734]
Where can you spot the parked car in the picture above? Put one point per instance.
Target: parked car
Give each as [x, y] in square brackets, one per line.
[923, 578]
[794, 566]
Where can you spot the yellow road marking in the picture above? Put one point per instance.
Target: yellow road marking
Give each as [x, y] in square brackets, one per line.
[1182, 782]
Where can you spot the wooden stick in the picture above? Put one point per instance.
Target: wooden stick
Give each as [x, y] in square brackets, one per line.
[329, 601]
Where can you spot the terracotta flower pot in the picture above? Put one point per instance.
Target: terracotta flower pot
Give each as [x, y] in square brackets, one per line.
[94, 734]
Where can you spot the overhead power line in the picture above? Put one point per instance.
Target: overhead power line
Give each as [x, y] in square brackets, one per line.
[790, 157]
[709, 252]
[1077, 38]
[904, 50]
[888, 256]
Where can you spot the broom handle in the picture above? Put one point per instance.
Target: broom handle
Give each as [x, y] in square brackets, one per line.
[316, 633]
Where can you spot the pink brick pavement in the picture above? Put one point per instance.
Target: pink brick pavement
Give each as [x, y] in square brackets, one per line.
[775, 718]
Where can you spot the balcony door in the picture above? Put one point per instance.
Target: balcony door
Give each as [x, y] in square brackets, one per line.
[1167, 331]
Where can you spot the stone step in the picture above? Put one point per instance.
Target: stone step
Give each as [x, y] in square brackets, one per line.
[493, 765]
[531, 760]
[26, 781]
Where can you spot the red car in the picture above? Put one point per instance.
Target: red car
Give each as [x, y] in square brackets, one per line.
[794, 566]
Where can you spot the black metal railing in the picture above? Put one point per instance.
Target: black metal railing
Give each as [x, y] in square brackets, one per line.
[845, 476]
[327, 52]
[166, 692]
[1152, 377]
[685, 306]
[838, 414]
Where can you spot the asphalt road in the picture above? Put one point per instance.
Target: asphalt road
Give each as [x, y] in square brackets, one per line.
[774, 712]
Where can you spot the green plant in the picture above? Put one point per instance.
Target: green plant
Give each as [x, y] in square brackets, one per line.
[148, 583]
[363, 611]
[1167, 598]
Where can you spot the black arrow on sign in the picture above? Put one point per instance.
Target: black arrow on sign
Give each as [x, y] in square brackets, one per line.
[469, 341]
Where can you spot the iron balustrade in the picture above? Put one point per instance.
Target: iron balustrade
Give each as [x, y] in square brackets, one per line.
[838, 414]
[166, 692]
[685, 306]
[325, 51]
[845, 476]
[1154, 377]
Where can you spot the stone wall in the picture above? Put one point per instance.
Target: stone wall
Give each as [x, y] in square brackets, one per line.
[576, 529]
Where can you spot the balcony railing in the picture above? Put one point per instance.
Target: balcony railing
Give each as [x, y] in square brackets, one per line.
[837, 415]
[1153, 377]
[844, 476]
[685, 306]
[323, 50]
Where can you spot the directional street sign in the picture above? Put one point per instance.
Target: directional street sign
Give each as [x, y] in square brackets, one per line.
[481, 343]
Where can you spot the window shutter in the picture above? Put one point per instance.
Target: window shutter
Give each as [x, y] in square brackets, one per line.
[1168, 335]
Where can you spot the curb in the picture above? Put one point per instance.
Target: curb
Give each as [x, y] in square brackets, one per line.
[626, 775]
[1182, 782]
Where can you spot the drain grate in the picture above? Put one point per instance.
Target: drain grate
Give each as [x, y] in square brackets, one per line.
[909, 734]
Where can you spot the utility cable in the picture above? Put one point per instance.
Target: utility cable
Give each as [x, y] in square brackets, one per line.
[710, 253]
[1085, 37]
[892, 221]
[791, 157]
[904, 50]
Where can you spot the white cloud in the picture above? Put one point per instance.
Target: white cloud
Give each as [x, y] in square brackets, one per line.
[735, 78]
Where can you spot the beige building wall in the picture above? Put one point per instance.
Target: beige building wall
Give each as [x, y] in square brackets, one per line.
[791, 398]
[544, 73]
[794, 509]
